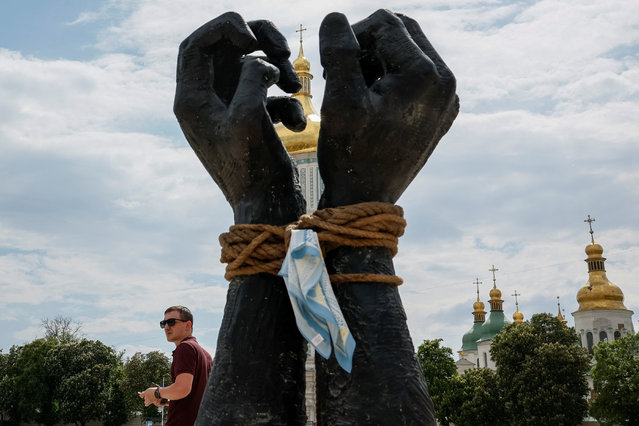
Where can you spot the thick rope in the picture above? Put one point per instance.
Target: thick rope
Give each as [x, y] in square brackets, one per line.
[251, 249]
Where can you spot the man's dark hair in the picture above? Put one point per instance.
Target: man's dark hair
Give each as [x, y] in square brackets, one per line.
[185, 313]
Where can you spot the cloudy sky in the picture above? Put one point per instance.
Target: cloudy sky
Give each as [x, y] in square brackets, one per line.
[107, 216]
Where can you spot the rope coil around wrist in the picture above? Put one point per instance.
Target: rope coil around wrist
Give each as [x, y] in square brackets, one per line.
[255, 248]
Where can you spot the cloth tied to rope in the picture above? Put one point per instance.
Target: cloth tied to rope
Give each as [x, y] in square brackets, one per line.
[317, 312]
[258, 248]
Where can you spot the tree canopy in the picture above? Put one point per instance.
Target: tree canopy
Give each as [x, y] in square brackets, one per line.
[615, 378]
[88, 374]
[65, 379]
[474, 399]
[139, 372]
[541, 370]
[439, 368]
[26, 384]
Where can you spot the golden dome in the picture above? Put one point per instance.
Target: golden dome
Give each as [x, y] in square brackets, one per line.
[599, 292]
[306, 140]
[518, 316]
[495, 293]
[478, 311]
[594, 249]
[301, 64]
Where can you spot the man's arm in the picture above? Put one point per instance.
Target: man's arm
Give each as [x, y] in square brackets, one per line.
[178, 390]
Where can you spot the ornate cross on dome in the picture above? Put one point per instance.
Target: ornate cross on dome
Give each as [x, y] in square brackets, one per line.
[477, 282]
[589, 220]
[493, 270]
[300, 31]
[516, 302]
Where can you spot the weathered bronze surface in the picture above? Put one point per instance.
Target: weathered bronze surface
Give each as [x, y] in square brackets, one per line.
[389, 99]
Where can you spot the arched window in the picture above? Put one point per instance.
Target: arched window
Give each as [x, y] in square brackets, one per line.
[485, 360]
[603, 336]
[617, 334]
[589, 342]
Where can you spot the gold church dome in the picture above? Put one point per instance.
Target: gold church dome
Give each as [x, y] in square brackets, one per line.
[301, 64]
[599, 292]
[495, 293]
[518, 316]
[306, 140]
[478, 306]
[594, 249]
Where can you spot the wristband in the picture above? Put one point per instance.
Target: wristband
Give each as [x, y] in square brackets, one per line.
[157, 393]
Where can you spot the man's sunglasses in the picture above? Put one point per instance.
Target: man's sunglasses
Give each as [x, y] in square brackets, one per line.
[170, 322]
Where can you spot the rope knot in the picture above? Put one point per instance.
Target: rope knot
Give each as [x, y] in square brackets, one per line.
[255, 248]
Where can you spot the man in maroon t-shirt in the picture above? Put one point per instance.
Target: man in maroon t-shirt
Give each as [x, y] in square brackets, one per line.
[189, 370]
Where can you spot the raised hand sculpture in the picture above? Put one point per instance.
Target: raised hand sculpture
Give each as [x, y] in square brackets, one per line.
[223, 110]
[389, 98]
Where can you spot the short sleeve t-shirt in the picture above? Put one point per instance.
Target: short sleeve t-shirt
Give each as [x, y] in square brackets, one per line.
[189, 357]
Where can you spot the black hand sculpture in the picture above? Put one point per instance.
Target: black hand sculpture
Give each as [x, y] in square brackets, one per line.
[389, 99]
[223, 110]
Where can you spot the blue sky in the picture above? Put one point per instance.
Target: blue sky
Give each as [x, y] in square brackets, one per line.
[107, 217]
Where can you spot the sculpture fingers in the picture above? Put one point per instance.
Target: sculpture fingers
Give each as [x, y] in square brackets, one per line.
[271, 41]
[448, 100]
[288, 111]
[230, 28]
[339, 52]
[391, 57]
[208, 65]
[249, 100]
[425, 45]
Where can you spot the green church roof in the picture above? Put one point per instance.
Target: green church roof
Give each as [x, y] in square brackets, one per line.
[493, 325]
[469, 341]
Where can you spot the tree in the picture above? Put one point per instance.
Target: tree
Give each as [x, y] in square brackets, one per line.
[26, 385]
[140, 371]
[615, 378]
[87, 370]
[541, 370]
[439, 368]
[474, 399]
[116, 410]
[62, 329]
[9, 403]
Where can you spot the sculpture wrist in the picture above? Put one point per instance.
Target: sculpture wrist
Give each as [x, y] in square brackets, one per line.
[360, 260]
[347, 196]
[275, 207]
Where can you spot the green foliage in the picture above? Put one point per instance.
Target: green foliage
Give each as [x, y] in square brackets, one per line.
[116, 411]
[616, 381]
[10, 401]
[87, 370]
[65, 379]
[474, 399]
[541, 370]
[26, 385]
[139, 372]
[439, 368]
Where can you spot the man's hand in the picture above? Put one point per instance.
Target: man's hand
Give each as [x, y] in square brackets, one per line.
[222, 107]
[149, 397]
[389, 98]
